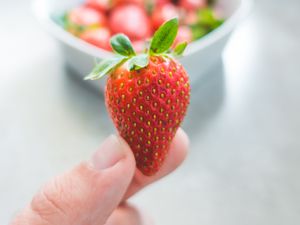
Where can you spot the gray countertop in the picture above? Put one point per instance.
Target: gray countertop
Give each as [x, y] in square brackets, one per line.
[244, 124]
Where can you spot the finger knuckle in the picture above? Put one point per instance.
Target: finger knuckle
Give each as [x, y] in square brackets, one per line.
[49, 202]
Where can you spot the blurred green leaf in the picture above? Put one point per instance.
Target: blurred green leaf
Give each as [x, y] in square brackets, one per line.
[206, 23]
[207, 19]
[61, 20]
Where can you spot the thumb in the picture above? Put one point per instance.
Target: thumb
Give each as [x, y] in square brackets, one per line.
[88, 193]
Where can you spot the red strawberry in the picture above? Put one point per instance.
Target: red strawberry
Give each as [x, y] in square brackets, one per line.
[131, 20]
[146, 95]
[164, 13]
[98, 37]
[85, 16]
[137, 2]
[101, 5]
[147, 107]
[192, 4]
[161, 2]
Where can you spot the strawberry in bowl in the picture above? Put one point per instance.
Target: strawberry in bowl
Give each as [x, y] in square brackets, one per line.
[138, 19]
[83, 18]
[98, 37]
[131, 20]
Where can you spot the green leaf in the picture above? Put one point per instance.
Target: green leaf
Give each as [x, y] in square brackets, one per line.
[164, 37]
[122, 45]
[105, 67]
[179, 49]
[206, 23]
[208, 20]
[138, 62]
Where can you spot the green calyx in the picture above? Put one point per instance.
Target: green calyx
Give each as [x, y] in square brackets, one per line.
[160, 45]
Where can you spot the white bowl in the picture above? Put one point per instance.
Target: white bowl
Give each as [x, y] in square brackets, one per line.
[199, 55]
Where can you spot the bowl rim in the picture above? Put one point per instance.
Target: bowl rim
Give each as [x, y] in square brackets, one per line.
[41, 13]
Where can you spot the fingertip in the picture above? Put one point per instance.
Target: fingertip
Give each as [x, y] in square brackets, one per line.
[113, 150]
[182, 135]
[127, 150]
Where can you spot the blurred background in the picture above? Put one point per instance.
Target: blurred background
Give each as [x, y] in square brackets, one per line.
[243, 122]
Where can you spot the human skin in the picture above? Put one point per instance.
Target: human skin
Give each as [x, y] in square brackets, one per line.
[95, 191]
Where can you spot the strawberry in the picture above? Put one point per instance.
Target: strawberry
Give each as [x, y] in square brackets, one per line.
[137, 2]
[161, 2]
[98, 37]
[164, 13]
[101, 5]
[83, 18]
[131, 20]
[192, 5]
[146, 95]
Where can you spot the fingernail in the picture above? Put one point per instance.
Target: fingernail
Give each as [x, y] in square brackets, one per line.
[111, 151]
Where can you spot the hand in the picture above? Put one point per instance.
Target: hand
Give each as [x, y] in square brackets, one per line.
[94, 192]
